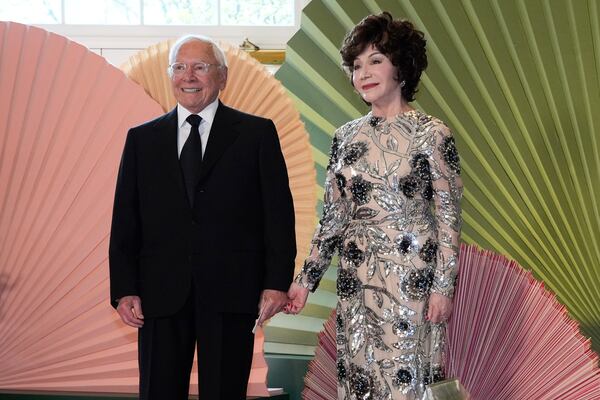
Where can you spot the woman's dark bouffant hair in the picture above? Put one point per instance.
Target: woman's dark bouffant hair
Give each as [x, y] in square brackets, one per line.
[399, 40]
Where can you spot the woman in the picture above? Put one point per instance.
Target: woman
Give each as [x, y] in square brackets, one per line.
[392, 210]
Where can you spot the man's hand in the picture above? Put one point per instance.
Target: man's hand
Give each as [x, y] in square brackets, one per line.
[297, 295]
[440, 308]
[271, 302]
[130, 311]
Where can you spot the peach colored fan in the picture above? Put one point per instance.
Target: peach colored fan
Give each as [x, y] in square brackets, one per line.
[252, 89]
[64, 114]
[508, 339]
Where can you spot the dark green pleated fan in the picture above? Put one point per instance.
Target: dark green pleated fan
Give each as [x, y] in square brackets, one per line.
[518, 83]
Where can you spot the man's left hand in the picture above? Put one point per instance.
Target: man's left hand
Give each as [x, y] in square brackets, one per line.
[271, 302]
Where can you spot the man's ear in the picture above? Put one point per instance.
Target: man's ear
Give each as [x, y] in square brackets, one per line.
[223, 73]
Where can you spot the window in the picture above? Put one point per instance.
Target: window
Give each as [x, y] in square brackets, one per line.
[31, 11]
[99, 12]
[117, 29]
[151, 12]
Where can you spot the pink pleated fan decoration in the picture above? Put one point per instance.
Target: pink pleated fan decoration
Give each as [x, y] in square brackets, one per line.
[508, 339]
[64, 114]
[321, 380]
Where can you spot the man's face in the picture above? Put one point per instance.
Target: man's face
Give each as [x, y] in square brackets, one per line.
[196, 91]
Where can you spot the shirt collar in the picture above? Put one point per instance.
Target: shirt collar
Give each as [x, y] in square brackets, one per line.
[207, 114]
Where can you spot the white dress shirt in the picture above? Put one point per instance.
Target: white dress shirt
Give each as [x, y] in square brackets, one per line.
[183, 127]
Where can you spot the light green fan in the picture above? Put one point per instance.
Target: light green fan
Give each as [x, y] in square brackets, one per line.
[518, 82]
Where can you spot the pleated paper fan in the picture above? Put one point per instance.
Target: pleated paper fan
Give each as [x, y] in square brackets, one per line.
[508, 339]
[62, 129]
[64, 114]
[321, 380]
[252, 89]
[518, 83]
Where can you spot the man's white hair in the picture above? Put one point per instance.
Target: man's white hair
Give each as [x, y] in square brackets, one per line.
[218, 52]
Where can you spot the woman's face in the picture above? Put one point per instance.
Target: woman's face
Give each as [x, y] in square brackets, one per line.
[374, 77]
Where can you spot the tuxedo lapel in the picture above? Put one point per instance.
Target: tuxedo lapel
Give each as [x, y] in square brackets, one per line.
[222, 134]
[167, 129]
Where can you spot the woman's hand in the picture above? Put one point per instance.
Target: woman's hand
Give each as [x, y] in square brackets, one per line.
[440, 308]
[297, 299]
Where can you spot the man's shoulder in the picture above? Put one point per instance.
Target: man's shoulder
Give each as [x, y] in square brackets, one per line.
[158, 122]
[241, 116]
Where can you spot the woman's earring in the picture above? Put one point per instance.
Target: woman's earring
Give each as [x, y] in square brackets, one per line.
[402, 84]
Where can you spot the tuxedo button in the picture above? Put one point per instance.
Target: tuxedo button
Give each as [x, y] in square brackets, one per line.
[201, 191]
[194, 222]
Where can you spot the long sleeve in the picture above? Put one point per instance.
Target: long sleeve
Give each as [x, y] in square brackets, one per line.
[447, 192]
[278, 211]
[125, 236]
[328, 234]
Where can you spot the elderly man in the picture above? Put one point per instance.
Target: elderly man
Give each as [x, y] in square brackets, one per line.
[202, 239]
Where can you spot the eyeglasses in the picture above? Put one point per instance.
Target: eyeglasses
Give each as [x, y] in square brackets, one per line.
[198, 69]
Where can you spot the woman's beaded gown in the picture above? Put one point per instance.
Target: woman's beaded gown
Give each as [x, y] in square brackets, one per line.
[391, 209]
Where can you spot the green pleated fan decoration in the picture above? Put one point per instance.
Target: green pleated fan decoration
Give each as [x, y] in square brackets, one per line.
[518, 83]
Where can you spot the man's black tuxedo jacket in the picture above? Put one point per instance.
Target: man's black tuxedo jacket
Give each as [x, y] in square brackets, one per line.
[236, 240]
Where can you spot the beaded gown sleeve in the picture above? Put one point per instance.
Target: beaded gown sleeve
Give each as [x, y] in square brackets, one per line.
[334, 221]
[447, 191]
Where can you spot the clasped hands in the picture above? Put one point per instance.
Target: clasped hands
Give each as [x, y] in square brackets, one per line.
[274, 301]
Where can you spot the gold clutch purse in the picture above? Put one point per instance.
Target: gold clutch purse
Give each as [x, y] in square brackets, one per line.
[449, 389]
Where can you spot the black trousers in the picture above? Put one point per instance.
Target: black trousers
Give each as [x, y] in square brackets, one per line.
[166, 353]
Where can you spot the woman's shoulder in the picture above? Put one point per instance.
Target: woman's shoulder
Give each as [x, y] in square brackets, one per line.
[441, 140]
[433, 126]
[350, 127]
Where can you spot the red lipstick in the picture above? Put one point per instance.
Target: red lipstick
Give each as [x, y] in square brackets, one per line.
[369, 86]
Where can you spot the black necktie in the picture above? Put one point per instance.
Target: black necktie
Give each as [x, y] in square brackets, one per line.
[191, 156]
